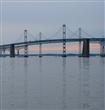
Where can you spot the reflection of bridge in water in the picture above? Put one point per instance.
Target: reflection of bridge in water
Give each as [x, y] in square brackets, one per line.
[84, 45]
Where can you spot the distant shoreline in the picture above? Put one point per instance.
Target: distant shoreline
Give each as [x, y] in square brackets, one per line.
[48, 54]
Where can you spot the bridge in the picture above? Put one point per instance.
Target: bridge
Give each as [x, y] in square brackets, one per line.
[84, 44]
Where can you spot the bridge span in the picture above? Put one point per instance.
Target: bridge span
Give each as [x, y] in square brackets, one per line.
[84, 45]
[85, 50]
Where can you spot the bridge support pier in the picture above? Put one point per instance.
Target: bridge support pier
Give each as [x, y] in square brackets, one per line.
[0, 52]
[86, 48]
[102, 48]
[4, 51]
[18, 52]
[12, 50]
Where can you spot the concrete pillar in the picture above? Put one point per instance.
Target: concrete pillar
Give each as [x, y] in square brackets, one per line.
[0, 52]
[4, 51]
[86, 48]
[18, 52]
[12, 50]
[102, 48]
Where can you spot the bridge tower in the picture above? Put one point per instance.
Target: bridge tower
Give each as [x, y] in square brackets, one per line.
[40, 45]
[64, 40]
[80, 36]
[26, 45]
[102, 48]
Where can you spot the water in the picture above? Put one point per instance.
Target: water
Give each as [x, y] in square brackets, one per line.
[53, 83]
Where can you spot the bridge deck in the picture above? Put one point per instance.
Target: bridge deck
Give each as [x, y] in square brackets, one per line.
[47, 41]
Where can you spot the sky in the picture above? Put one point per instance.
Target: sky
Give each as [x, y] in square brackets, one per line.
[48, 17]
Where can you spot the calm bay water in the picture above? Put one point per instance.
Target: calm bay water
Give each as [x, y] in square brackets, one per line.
[52, 83]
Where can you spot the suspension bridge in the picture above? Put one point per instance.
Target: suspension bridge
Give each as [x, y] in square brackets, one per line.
[84, 44]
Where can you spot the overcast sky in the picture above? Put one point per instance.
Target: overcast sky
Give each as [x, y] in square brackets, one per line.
[48, 17]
